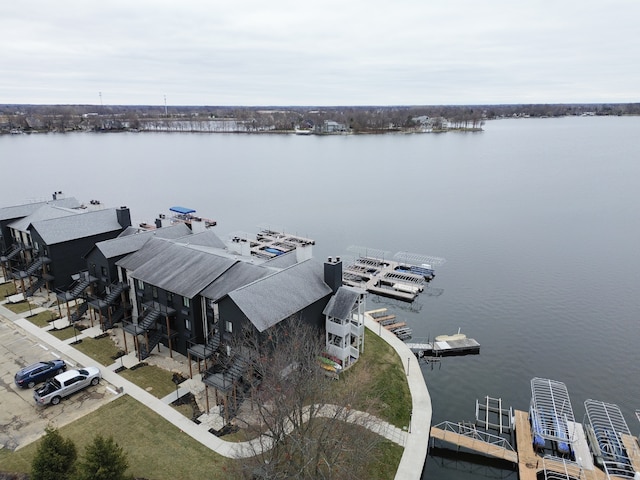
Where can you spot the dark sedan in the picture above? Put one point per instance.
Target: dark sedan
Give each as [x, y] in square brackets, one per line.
[39, 372]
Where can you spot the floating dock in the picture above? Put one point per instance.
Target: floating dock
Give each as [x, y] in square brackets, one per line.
[401, 279]
[446, 348]
[268, 244]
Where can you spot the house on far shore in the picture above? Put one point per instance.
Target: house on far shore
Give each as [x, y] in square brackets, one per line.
[329, 126]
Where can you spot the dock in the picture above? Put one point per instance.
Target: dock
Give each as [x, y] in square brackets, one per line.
[389, 322]
[387, 278]
[464, 346]
[528, 461]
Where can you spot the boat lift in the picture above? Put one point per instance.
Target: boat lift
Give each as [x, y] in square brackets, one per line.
[611, 441]
[552, 415]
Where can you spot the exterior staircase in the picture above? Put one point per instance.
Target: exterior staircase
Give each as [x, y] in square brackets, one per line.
[35, 287]
[114, 294]
[79, 287]
[116, 316]
[77, 315]
[36, 265]
[12, 253]
[146, 349]
[149, 319]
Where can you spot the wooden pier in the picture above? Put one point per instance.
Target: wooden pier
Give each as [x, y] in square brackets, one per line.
[528, 461]
[389, 322]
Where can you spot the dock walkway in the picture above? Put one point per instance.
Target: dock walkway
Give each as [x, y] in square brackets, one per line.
[530, 463]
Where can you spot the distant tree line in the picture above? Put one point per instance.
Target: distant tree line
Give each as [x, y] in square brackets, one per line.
[355, 119]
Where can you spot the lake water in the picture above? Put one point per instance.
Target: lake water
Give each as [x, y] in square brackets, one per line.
[538, 219]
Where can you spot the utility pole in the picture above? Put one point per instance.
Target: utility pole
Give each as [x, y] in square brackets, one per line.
[165, 106]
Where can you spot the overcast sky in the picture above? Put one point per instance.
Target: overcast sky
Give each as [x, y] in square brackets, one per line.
[319, 52]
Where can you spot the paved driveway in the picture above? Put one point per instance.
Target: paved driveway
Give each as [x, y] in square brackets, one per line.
[21, 420]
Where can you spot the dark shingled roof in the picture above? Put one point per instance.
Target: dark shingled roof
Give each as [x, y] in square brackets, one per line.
[151, 249]
[20, 211]
[132, 242]
[58, 230]
[276, 297]
[204, 239]
[283, 261]
[45, 212]
[180, 269]
[341, 304]
[237, 276]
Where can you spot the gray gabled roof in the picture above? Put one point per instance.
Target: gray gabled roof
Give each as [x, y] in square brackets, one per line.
[20, 211]
[283, 261]
[276, 297]
[239, 275]
[342, 303]
[131, 242]
[45, 212]
[203, 239]
[87, 224]
[151, 249]
[182, 270]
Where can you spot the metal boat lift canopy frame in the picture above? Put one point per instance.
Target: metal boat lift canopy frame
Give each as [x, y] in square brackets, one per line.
[550, 399]
[608, 425]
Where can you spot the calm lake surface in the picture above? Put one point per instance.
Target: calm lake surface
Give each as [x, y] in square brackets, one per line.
[538, 219]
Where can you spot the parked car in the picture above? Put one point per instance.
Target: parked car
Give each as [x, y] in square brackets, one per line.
[65, 384]
[38, 372]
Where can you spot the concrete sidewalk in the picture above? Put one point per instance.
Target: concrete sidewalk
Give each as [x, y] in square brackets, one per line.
[415, 440]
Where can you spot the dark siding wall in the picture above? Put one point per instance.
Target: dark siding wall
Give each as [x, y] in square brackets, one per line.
[66, 258]
[313, 313]
[6, 240]
[229, 311]
[97, 265]
[178, 322]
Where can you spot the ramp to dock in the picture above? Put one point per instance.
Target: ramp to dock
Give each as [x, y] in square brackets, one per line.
[468, 437]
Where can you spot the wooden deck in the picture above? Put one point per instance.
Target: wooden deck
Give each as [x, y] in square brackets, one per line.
[633, 450]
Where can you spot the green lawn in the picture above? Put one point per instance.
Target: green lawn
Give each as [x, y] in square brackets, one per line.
[20, 307]
[42, 319]
[6, 289]
[380, 374]
[64, 333]
[155, 380]
[102, 350]
[155, 448]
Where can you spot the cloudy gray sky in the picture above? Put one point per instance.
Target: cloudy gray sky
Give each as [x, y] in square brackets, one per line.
[328, 52]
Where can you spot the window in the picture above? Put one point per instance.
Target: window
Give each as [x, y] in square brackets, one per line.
[185, 302]
[140, 284]
[104, 271]
[229, 327]
[187, 324]
[154, 292]
[169, 299]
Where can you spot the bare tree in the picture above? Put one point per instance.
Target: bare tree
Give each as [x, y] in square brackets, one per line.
[303, 424]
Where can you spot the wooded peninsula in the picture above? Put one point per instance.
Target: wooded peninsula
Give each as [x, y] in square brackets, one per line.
[283, 119]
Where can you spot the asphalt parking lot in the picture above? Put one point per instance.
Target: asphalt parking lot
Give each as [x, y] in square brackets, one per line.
[21, 420]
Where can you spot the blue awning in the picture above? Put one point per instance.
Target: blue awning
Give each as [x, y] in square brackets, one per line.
[182, 210]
